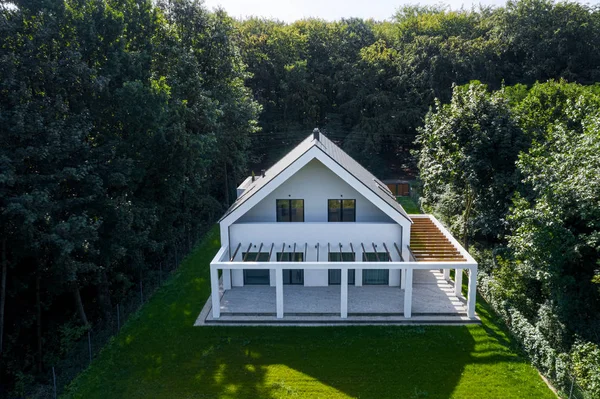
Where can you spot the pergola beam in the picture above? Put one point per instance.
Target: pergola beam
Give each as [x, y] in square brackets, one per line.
[388, 252]
[376, 254]
[247, 252]
[399, 252]
[236, 251]
[271, 251]
[258, 253]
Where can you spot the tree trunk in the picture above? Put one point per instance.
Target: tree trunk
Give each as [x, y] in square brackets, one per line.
[3, 294]
[79, 304]
[38, 308]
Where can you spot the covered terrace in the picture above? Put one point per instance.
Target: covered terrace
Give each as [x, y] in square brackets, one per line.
[423, 290]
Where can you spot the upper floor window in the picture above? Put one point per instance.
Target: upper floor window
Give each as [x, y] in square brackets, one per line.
[290, 210]
[339, 210]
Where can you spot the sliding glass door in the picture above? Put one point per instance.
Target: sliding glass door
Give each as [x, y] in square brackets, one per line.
[256, 276]
[292, 276]
[335, 275]
[376, 276]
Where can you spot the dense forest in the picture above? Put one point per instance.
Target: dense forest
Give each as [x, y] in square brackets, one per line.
[516, 173]
[125, 126]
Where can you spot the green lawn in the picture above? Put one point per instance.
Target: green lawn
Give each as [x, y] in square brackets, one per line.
[408, 204]
[159, 354]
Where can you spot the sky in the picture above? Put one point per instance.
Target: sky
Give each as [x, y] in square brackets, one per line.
[292, 10]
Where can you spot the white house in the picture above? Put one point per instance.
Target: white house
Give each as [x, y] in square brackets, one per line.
[317, 218]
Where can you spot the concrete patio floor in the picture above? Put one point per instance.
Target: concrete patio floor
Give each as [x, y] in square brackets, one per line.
[433, 302]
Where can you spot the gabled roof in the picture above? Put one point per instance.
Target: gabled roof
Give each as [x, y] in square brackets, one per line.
[337, 155]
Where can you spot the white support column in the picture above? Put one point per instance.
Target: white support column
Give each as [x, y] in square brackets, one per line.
[279, 292]
[458, 275]
[344, 294]
[226, 279]
[358, 277]
[408, 294]
[403, 279]
[214, 288]
[472, 293]
[447, 274]
[358, 272]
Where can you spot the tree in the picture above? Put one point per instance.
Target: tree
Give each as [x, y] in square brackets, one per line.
[467, 161]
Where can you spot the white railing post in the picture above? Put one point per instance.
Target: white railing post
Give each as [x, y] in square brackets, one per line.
[472, 293]
[214, 288]
[358, 273]
[344, 294]
[458, 275]
[447, 274]
[403, 279]
[408, 293]
[279, 292]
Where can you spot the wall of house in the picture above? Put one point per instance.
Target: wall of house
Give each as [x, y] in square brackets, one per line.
[315, 184]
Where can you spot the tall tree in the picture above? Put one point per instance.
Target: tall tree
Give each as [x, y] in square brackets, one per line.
[467, 161]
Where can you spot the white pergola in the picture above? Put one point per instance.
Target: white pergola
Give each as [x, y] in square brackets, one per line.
[228, 260]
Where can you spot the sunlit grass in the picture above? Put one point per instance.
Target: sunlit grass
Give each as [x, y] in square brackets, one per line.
[409, 205]
[159, 354]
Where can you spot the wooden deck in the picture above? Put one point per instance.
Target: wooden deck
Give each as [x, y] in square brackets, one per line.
[429, 244]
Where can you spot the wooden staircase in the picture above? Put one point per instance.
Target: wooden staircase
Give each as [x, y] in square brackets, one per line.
[429, 244]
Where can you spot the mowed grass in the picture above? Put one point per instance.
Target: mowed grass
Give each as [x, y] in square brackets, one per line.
[409, 205]
[159, 354]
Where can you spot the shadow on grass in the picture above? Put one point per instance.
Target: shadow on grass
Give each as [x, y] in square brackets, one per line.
[160, 354]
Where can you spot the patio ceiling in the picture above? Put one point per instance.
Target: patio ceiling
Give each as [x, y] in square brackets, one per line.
[429, 244]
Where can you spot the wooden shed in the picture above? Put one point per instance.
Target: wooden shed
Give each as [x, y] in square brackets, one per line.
[400, 188]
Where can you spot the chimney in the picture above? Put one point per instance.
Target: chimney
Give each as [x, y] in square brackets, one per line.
[253, 177]
[262, 172]
[316, 134]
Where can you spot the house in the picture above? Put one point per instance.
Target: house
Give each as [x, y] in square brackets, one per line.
[317, 225]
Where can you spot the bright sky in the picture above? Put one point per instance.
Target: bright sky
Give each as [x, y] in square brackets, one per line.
[292, 10]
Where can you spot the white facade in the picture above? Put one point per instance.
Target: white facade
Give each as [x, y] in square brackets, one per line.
[315, 177]
[315, 184]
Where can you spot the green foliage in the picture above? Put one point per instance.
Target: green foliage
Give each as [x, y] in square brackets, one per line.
[467, 161]
[541, 272]
[123, 128]
[126, 125]
[586, 361]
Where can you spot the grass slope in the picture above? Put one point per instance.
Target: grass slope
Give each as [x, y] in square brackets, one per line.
[159, 354]
[408, 204]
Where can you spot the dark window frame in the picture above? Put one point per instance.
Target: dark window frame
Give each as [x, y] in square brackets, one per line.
[341, 210]
[290, 213]
[262, 257]
[287, 273]
[383, 257]
[287, 277]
